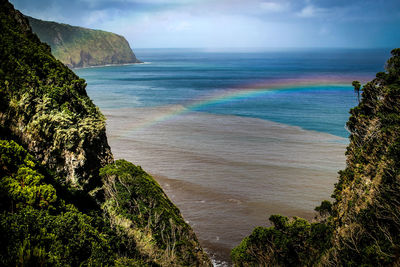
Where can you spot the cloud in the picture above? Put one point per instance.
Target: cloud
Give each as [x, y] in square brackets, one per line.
[308, 11]
[311, 11]
[227, 23]
[179, 26]
[273, 7]
[96, 17]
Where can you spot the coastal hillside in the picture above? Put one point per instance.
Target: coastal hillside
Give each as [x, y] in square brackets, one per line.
[362, 225]
[64, 201]
[80, 47]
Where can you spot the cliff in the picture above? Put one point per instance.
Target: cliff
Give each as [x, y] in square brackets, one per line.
[362, 226]
[45, 106]
[80, 47]
[63, 199]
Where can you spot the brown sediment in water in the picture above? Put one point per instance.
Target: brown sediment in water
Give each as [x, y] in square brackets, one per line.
[228, 174]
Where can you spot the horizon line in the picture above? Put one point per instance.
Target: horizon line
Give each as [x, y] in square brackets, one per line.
[274, 48]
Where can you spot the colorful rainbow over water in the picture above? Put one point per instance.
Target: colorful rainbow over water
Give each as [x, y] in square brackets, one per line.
[250, 91]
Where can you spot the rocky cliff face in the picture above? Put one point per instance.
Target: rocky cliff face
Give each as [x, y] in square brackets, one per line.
[362, 226]
[63, 199]
[81, 47]
[46, 106]
[366, 211]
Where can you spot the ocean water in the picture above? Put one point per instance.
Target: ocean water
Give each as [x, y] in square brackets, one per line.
[228, 174]
[234, 136]
[181, 77]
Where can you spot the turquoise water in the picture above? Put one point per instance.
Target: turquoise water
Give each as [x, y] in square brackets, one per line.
[181, 77]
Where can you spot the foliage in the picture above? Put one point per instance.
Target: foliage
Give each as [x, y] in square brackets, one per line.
[21, 184]
[45, 107]
[325, 208]
[357, 87]
[393, 65]
[40, 228]
[367, 194]
[52, 145]
[289, 242]
[32, 236]
[362, 226]
[134, 195]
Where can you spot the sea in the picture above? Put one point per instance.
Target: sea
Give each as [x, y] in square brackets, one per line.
[234, 135]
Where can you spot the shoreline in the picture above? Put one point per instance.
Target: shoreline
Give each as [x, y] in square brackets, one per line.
[109, 65]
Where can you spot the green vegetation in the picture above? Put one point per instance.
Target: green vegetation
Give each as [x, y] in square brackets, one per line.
[56, 207]
[290, 242]
[39, 224]
[45, 106]
[38, 227]
[357, 87]
[362, 226]
[134, 200]
[81, 47]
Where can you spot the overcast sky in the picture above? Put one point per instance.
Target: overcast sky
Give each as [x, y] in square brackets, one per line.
[231, 23]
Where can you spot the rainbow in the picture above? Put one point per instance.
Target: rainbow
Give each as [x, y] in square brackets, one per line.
[249, 91]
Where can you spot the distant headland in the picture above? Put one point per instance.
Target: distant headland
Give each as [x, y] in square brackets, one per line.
[79, 47]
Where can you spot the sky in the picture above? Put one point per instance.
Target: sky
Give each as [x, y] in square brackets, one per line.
[231, 23]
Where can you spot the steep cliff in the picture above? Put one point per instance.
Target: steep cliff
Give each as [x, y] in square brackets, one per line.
[81, 47]
[45, 106]
[63, 199]
[362, 226]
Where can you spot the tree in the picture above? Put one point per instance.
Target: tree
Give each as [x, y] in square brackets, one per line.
[393, 64]
[357, 87]
[325, 209]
